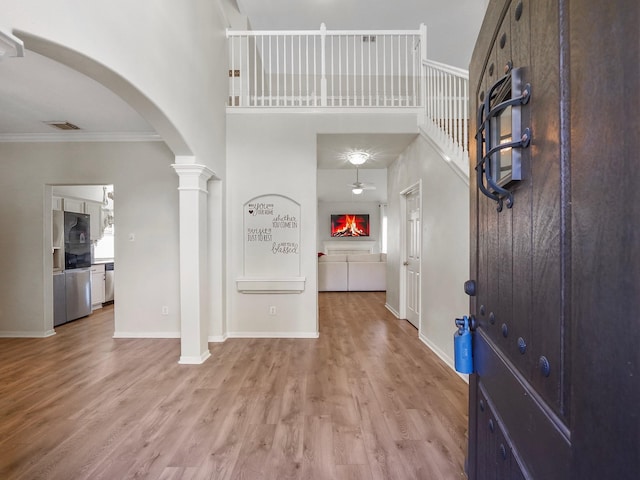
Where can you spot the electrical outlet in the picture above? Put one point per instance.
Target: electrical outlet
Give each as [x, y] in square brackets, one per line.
[165, 310]
[272, 310]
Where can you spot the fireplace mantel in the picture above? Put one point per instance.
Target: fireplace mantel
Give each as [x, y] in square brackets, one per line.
[348, 246]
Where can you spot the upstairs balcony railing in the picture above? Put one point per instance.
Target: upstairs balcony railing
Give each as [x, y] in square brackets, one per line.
[326, 68]
[368, 69]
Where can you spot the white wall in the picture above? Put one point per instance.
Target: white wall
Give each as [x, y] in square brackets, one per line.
[167, 61]
[445, 242]
[276, 153]
[326, 209]
[271, 156]
[148, 269]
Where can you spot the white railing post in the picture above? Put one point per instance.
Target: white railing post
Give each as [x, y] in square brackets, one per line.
[323, 66]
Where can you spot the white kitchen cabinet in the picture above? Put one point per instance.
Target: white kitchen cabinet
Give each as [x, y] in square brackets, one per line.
[57, 239]
[97, 286]
[94, 209]
[57, 229]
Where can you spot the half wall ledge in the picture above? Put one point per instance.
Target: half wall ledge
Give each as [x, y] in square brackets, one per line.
[271, 285]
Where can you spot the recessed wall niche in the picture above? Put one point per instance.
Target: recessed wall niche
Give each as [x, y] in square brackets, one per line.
[271, 238]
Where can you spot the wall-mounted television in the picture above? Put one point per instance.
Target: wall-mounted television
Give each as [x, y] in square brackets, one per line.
[350, 225]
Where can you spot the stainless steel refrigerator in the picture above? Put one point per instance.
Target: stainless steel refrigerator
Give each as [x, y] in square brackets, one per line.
[59, 299]
[77, 274]
[78, 292]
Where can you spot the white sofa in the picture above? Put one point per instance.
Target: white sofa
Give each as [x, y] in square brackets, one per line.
[352, 272]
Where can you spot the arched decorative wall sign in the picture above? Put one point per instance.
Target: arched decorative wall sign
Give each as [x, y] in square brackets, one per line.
[271, 238]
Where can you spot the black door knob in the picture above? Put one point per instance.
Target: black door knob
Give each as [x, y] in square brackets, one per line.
[470, 288]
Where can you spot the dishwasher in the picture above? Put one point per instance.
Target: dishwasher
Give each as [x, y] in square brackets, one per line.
[108, 282]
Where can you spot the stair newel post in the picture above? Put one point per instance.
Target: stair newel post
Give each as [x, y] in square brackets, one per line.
[323, 67]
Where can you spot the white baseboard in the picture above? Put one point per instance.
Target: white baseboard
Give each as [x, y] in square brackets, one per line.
[443, 356]
[146, 335]
[388, 307]
[272, 335]
[19, 334]
[193, 360]
[217, 338]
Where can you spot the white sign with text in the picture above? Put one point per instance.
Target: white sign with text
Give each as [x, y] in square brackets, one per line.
[271, 237]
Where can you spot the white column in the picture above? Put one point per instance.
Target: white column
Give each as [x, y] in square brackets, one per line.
[193, 262]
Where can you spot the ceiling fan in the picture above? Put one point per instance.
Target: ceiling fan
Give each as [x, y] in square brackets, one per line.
[358, 187]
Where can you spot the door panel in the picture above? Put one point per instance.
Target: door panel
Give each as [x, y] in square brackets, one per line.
[522, 211]
[555, 392]
[518, 262]
[413, 257]
[547, 209]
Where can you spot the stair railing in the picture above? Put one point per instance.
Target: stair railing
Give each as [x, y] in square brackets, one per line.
[447, 110]
[365, 69]
[326, 68]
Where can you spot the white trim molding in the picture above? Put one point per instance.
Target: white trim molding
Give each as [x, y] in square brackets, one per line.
[12, 43]
[273, 335]
[271, 285]
[392, 310]
[146, 335]
[193, 176]
[443, 356]
[188, 360]
[26, 334]
[72, 137]
[217, 338]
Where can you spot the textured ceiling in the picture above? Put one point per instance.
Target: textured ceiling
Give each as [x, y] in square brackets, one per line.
[382, 148]
[35, 89]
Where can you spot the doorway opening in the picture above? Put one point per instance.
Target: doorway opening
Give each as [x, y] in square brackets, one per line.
[83, 264]
[411, 246]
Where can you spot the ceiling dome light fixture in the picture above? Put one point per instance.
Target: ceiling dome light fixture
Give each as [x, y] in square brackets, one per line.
[356, 191]
[358, 157]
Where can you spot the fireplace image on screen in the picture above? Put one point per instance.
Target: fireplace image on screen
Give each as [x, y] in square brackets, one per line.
[350, 225]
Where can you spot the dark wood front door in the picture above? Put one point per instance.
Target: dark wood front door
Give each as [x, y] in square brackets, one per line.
[557, 268]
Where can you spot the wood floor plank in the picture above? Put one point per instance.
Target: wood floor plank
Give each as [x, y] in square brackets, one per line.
[317, 461]
[348, 446]
[254, 453]
[353, 472]
[381, 449]
[366, 400]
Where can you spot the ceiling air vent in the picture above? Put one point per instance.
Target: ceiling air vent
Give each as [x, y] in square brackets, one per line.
[63, 125]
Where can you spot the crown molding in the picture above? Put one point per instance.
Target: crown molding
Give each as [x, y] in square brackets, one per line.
[80, 137]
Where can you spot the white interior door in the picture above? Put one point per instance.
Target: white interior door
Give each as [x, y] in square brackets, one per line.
[412, 260]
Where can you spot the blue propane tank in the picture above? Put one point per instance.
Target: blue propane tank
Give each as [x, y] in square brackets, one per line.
[462, 346]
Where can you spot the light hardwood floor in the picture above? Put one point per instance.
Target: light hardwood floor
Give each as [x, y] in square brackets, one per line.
[367, 400]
